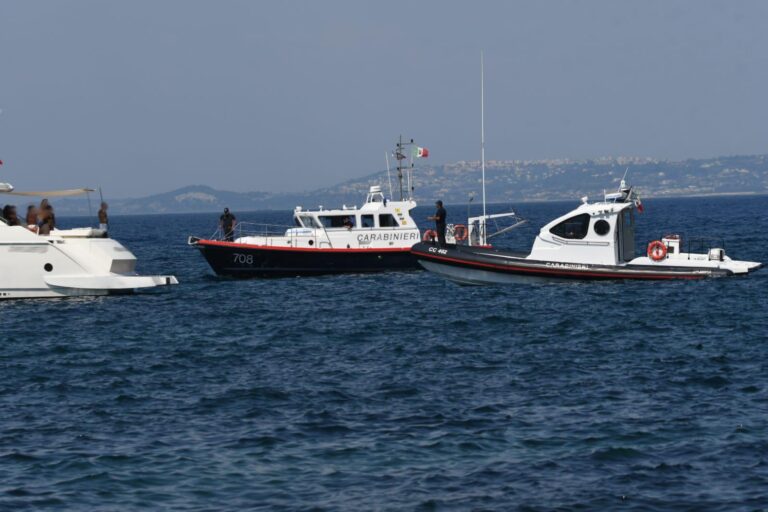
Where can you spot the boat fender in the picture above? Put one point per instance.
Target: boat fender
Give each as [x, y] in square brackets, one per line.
[429, 236]
[460, 232]
[657, 251]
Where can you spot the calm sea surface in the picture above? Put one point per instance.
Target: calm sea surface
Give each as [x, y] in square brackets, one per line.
[396, 391]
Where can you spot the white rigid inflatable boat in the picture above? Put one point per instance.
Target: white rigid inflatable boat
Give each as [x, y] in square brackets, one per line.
[594, 241]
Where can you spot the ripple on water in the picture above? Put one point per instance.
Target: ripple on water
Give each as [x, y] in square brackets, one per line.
[396, 391]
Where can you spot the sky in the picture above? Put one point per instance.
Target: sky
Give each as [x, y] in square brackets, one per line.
[285, 96]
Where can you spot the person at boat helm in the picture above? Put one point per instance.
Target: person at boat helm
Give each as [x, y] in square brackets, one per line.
[9, 214]
[227, 223]
[348, 223]
[439, 218]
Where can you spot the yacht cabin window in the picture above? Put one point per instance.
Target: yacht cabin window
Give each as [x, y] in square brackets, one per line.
[387, 220]
[574, 228]
[337, 221]
[366, 221]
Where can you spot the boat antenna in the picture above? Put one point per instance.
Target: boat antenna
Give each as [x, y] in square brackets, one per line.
[410, 174]
[623, 177]
[400, 156]
[389, 176]
[482, 126]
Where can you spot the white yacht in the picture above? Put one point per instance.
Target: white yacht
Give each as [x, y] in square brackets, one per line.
[66, 262]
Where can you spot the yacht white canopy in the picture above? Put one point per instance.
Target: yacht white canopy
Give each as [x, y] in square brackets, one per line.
[51, 193]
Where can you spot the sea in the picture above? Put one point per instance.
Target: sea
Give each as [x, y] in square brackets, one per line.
[394, 391]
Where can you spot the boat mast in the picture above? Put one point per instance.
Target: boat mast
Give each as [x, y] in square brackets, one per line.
[400, 156]
[482, 132]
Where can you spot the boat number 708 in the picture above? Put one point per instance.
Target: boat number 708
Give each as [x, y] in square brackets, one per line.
[243, 258]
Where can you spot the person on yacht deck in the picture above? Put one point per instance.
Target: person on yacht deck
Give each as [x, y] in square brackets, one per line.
[103, 217]
[47, 210]
[31, 215]
[9, 214]
[46, 222]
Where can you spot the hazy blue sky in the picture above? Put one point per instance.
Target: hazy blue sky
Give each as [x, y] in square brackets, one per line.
[143, 96]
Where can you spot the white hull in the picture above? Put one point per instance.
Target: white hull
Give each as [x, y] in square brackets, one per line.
[71, 263]
[475, 277]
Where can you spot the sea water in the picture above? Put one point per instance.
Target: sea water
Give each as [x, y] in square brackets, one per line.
[395, 391]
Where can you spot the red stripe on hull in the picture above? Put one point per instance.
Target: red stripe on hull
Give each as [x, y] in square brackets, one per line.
[558, 272]
[236, 245]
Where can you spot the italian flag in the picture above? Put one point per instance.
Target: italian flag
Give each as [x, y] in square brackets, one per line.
[420, 152]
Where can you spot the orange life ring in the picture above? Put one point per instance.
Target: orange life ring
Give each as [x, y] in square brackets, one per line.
[429, 236]
[460, 232]
[657, 251]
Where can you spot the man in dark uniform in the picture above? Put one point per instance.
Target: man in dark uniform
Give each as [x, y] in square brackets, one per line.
[439, 218]
[227, 224]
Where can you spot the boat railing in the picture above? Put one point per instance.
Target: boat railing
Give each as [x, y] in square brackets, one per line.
[696, 244]
[275, 234]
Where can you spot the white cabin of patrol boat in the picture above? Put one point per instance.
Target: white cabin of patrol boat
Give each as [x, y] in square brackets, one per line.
[378, 224]
[594, 233]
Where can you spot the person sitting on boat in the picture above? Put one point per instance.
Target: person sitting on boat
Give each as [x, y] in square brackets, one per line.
[46, 221]
[439, 218]
[227, 223]
[103, 217]
[46, 210]
[31, 215]
[9, 214]
[348, 223]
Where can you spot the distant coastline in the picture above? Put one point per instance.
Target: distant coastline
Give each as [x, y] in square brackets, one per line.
[512, 181]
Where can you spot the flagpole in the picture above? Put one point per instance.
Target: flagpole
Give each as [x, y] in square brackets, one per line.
[389, 176]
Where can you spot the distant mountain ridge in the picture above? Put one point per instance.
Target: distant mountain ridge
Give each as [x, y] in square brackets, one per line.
[506, 181]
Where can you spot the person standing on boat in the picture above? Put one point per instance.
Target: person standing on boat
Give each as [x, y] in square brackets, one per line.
[227, 223]
[103, 217]
[439, 218]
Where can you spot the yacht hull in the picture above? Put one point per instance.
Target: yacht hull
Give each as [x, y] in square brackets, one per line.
[478, 266]
[234, 259]
[67, 263]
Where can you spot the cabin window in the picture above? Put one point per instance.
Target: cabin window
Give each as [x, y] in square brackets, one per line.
[387, 220]
[337, 221]
[602, 227]
[574, 228]
[309, 222]
[366, 221]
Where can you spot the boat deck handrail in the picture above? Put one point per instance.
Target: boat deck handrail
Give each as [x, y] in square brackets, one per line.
[276, 234]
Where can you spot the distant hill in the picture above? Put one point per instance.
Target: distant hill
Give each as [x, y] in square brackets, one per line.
[507, 180]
